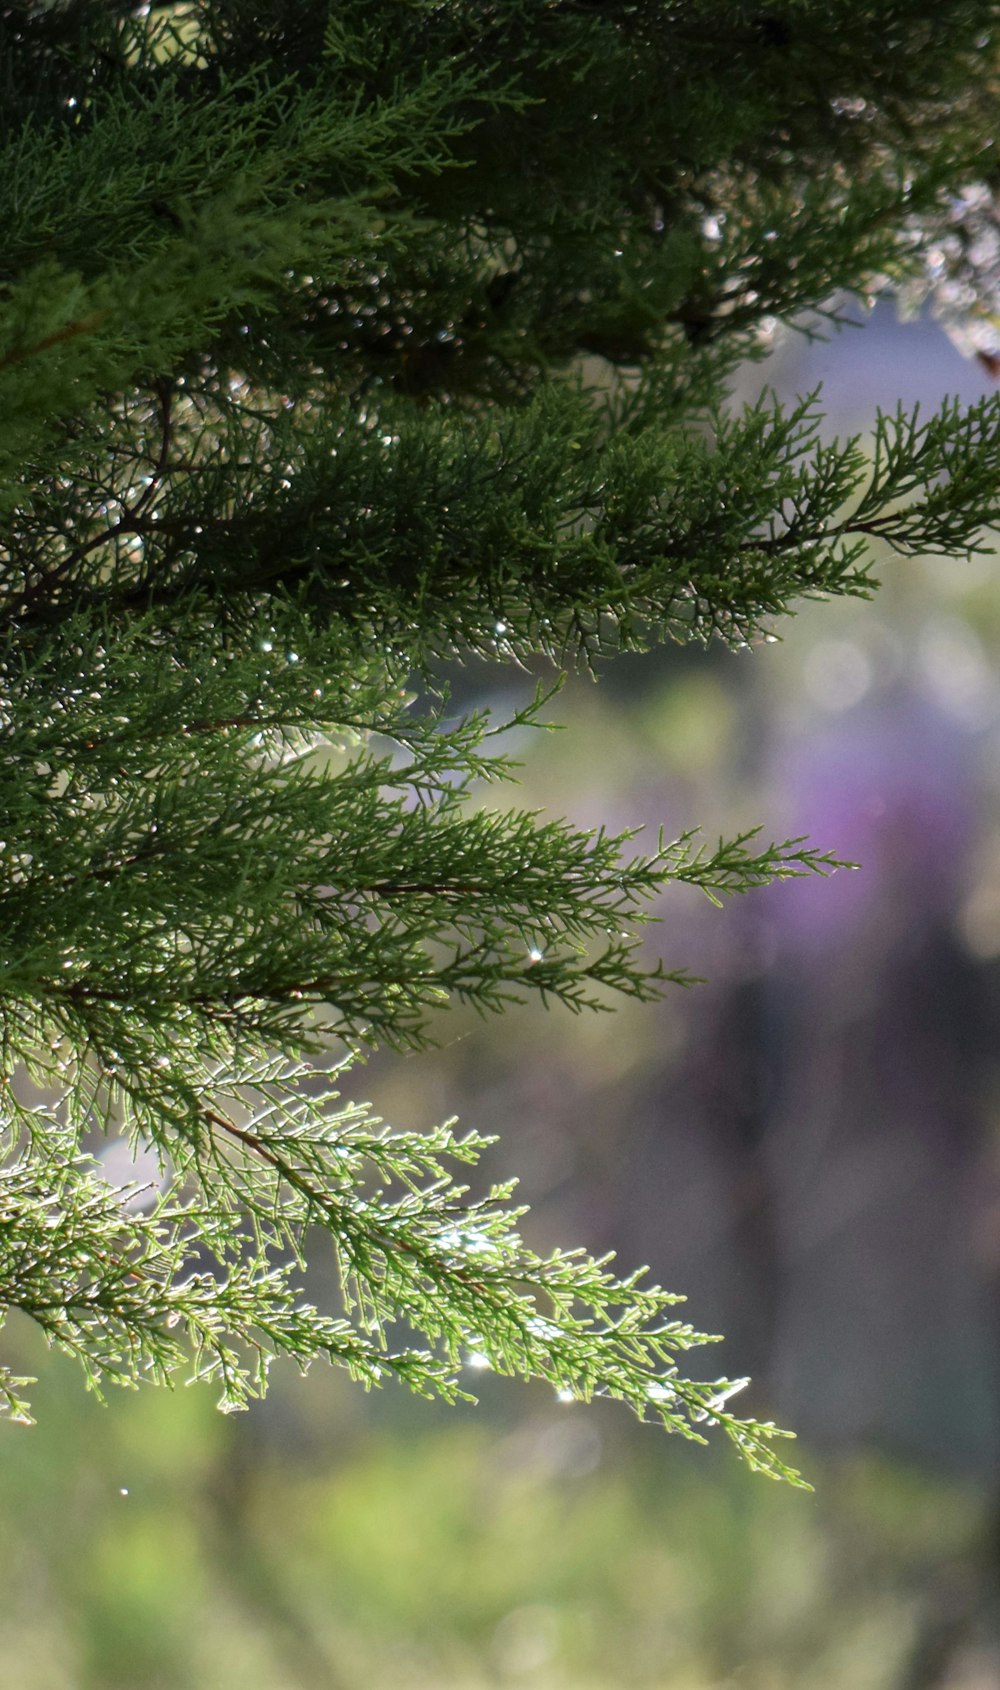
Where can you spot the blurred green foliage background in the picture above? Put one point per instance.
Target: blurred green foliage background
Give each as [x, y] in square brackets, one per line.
[313, 1544]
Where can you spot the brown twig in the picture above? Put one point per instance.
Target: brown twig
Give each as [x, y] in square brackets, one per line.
[86, 325]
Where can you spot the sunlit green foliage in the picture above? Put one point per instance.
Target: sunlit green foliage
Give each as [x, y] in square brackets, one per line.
[316, 1549]
[335, 341]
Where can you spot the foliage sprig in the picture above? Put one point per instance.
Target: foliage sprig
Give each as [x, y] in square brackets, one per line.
[337, 341]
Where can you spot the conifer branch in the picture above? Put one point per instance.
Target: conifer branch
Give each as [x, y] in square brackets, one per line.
[334, 344]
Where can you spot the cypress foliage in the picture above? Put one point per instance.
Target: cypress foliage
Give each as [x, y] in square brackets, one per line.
[337, 340]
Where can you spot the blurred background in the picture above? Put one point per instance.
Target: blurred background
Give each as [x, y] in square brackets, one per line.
[808, 1145]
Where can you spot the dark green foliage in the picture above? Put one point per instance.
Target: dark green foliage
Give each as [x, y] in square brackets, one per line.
[336, 340]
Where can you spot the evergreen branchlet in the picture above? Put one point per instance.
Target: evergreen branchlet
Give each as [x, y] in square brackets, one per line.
[335, 341]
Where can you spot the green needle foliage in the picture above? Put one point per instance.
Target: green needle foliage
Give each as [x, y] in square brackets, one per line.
[337, 340]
